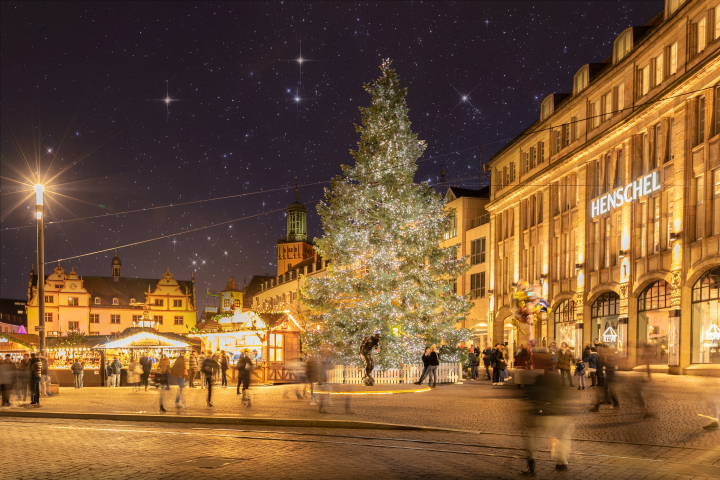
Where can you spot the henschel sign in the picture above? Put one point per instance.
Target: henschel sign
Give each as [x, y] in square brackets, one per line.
[647, 184]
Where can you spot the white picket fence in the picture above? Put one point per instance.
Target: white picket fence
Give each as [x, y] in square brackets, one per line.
[409, 373]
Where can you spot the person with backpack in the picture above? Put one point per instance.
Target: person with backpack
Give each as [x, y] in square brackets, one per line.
[224, 365]
[209, 365]
[244, 367]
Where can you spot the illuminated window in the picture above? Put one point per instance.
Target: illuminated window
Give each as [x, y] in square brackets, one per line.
[705, 340]
[276, 347]
[672, 67]
[97, 300]
[565, 323]
[623, 45]
[654, 297]
[659, 69]
[716, 202]
[73, 301]
[581, 80]
[116, 301]
[158, 319]
[699, 207]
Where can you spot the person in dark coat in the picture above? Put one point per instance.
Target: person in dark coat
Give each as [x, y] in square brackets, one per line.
[208, 368]
[224, 365]
[592, 364]
[546, 417]
[147, 368]
[8, 373]
[35, 373]
[425, 360]
[77, 370]
[23, 377]
[473, 364]
[244, 367]
[486, 360]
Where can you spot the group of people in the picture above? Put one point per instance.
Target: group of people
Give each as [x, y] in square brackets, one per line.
[28, 376]
[431, 361]
[495, 358]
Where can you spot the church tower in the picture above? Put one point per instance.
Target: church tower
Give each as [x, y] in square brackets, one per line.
[116, 266]
[294, 248]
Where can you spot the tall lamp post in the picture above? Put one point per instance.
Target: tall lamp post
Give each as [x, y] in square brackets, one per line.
[39, 189]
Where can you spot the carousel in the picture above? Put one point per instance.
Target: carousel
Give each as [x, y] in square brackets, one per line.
[271, 339]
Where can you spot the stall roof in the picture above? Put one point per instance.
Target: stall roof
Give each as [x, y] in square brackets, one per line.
[29, 340]
[137, 337]
[90, 341]
[245, 320]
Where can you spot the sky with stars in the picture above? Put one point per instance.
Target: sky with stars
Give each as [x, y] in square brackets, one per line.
[135, 106]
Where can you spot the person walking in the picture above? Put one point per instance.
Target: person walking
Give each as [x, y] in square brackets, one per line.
[116, 371]
[193, 368]
[425, 360]
[161, 377]
[177, 374]
[244, 367]
[209, 366]
[473, 362]
[146, 365]
[565, 362]
[35, 373]
[44, 379]
[201, 360]
[433, 364]
[608, 395]
[7, 378]
[77, 370]
[23, 377]
[134, 374]
[216, 373]
[224, 365]
[580, 374]
[486, 353]
[592, 364]
[546, 417]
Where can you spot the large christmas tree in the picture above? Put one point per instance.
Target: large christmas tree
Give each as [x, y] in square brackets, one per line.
[387, 271]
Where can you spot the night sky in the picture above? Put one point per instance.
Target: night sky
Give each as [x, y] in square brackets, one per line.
[84, 86]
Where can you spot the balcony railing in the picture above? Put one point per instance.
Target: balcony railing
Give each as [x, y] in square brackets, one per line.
[481, 220]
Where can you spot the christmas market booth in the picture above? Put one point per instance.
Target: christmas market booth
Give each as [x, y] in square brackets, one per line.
[63, 351]
[271, 338]
[136, 342]
[18, 344]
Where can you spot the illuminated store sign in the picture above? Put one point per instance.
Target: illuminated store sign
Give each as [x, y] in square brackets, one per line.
[644, 186]
[609, 336]
[712, 334]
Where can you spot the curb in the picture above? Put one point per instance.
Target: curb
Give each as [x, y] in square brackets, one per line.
[269, 422]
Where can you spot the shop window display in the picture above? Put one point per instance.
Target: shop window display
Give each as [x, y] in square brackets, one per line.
[705, 342]
[654, 322]
[605, 313]
[565, 324]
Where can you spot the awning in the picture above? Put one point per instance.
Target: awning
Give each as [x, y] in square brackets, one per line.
[148, 338]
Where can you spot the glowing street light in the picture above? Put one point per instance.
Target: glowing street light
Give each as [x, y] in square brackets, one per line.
[39, 190]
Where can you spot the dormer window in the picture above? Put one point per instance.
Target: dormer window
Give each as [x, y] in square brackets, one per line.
[132, 300]
[581, 80]
[116, 301]
[546, 108]
[623, 45]
[97, 300]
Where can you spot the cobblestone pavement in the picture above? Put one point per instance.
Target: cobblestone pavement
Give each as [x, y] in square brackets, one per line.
[80, 449]
[676, 402]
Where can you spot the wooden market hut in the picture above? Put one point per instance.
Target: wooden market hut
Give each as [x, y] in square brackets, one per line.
[17, 344]
[274, 336]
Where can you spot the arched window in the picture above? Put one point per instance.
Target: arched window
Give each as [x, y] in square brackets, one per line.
[604, 314]
[654, 297]
[565, 323]
[705, 342]
[654, 322]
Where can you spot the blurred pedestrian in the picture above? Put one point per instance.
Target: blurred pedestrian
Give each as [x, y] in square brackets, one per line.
[35, 373]
[425, 360]
[486, 361]
[108, 374]
[500, 365]
[322, 379]
[193, 368]
[256, 356]
[712, 400]
[565, 362]
[433, 364]
[162, 375]
[244, 367]
[297, 370]
[209, 366]
[201, 360]
[216, 372]
[608, 395]
[493, 364]
[146, 365]
[473, 362]
[546, 417]
[592, 363]
[77, 370]
[116, 371]
[7, 378]
[134, 374]
[44, 379]
[177, 376]
[580, 374]
[224, 365]
[23, 377]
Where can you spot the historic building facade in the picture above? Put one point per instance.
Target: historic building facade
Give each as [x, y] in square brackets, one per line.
[471, 231]
[109, 305]
[611, 200]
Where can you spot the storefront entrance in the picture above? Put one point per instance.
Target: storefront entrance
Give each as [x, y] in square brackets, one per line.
[658, 332]
[565, 328]
[705, 342]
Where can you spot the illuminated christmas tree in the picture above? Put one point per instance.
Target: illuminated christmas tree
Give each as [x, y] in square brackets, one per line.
[387, 271]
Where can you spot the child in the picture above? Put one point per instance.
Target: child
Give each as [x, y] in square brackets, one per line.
[580, 374]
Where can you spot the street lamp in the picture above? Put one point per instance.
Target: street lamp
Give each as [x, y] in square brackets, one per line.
[39, 189]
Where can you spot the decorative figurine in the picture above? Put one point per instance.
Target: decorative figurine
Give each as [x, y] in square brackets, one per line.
[366, 350]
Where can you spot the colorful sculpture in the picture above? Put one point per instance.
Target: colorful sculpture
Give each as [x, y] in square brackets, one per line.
[528, 304]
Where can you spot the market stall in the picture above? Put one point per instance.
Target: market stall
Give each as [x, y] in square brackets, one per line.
[18, 344]
[272, 338]
[62, 352]
[136, 342]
